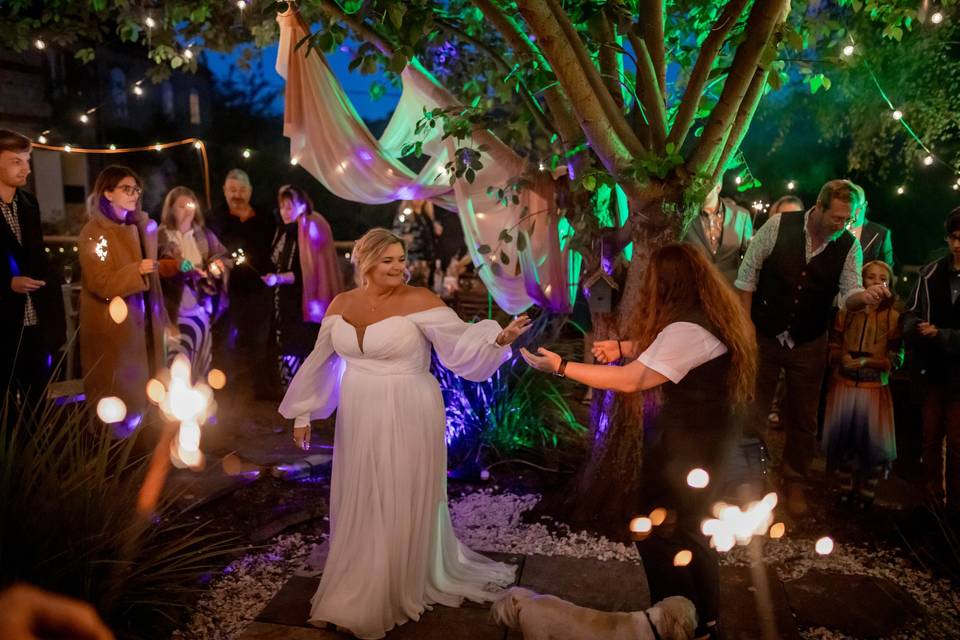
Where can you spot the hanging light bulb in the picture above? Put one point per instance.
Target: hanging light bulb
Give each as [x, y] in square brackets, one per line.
[897, 114]
[241, 4]
[246, 153]
[113, 147]
[738, 180]
[137, 90]
[900, 191]
[40, 44]
[158, 147]
[198, 145]
[150, 22]
[928, 160]
[294, 161]
[42, 139]
[849, 50]
[936, 18]
[67, 148]
[188, 53]
[956, 186]
[791, 185]
[84, 118]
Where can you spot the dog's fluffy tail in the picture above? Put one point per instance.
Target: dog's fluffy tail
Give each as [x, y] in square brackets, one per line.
[506, 609]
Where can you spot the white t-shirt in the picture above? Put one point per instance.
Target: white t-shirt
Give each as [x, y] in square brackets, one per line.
[680, 347]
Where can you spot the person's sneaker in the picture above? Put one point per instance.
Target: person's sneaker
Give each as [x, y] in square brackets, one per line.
[796, 499]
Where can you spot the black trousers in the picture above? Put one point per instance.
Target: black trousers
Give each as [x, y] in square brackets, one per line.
[25, 367]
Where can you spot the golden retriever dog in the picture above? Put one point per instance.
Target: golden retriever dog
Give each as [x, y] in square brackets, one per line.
[546, 617]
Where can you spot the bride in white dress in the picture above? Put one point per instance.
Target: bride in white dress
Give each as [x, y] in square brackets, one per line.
[393, 552]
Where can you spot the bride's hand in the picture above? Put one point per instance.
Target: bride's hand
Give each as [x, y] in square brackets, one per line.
[519, 326]
[301, 436]
[544, 360]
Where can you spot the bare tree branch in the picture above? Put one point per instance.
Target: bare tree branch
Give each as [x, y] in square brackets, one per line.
[566, 124]
[589, 72]
[650, 95]
[690, 102]
[651, 30]
[362, 29]
[610, 58]
[763, 20]
[591, 116]
[749, 107]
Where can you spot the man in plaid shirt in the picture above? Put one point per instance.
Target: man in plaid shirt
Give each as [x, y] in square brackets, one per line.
[31, 307]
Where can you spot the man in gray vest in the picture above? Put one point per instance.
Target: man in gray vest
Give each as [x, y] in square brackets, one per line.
[723, 230]
[791, 274]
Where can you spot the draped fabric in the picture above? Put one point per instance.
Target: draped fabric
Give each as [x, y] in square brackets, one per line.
[330, 140]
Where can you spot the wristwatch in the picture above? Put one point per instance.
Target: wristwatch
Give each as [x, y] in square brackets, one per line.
[561, 369]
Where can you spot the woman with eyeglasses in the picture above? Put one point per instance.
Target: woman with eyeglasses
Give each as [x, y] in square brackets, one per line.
[122, 315]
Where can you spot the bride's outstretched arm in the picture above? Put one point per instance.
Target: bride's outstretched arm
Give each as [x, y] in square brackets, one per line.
[315, 389]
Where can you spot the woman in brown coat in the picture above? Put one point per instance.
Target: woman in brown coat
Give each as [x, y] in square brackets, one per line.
[121, 308]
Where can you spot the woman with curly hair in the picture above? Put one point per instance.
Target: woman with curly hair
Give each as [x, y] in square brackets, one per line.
[696, 346]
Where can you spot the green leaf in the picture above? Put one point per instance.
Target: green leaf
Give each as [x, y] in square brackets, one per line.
[396, 11]
[521, 241]
[397, 63]
[470, 175]
[85, 55]
[589, 182]
[505, 236]
[816, 81]
[483, 249]
[377, 90]
[176, 62]
[504, 258]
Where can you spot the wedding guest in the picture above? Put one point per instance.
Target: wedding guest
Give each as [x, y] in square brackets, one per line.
[31, 306]
[694, 343]
[242, 337]
[305, 278]
[193, 274]
[723, 230]
[29, 613]
[122, 317]
[932, 326]
[393, 552]
[858, 436]
[783, 204]
[417, 224]
[875, 239]
[795, 267]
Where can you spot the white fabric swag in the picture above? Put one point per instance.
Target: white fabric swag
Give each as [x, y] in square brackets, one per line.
[330, 140]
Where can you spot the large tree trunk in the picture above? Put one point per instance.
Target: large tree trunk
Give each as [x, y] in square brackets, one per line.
[608, 484]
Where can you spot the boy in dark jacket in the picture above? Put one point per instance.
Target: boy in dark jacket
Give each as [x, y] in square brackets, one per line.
[932, 326]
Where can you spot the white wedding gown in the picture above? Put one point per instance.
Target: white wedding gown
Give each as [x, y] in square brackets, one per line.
[393, 551]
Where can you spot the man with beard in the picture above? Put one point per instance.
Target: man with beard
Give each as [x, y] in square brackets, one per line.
[31, 306]
[241, 340]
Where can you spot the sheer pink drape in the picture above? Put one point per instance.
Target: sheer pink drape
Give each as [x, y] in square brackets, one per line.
[330, 140]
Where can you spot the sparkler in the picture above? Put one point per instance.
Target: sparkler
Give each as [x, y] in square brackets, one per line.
[186, 406]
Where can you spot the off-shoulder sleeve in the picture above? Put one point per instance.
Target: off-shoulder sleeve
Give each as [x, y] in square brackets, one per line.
[469, 350]
[315, 389]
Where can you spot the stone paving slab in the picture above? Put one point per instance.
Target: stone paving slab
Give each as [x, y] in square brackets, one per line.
[878, 609]
[743, 613]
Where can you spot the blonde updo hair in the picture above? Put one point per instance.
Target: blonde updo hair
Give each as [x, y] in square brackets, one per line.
[368, 250]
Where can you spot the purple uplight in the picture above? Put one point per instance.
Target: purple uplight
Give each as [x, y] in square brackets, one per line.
[409, 192]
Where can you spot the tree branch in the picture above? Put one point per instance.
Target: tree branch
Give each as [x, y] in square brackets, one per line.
[611, 64]
[365, 31]
[763, 20]
[566, 124]
[589, 72]
[749, 107]
[591, 116]
[651, 30]
[649, 92]
[528, 99]
[696, 85]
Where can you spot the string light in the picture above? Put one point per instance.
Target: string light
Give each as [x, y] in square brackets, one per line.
[897, 114]
[42, 139]
[246, 153]
[150, 22]
[188, 53]
[113, 147]
[936, 18]
[84, 118]
[849, 50]
[241, 4]
[197, 145]
[137, 90]
[901, 191]
[158, 147]
[40, 44]
[294, 161]
[738, 180]
[67, 148]
[791, 185]
[928, 160]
